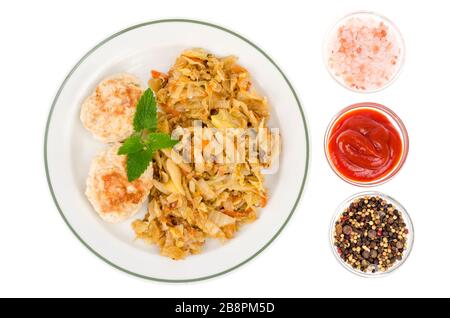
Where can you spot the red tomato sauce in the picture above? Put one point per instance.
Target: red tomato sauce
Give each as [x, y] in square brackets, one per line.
[364, 145]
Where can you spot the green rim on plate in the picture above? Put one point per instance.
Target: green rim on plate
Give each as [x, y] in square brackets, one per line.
[169, 21]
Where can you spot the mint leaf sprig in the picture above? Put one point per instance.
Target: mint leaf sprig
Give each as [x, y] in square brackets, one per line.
[140, 147]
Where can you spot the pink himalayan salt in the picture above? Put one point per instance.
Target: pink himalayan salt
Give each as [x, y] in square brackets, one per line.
[364, 53]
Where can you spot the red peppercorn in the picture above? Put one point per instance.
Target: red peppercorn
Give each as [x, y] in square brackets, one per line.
[380, 232]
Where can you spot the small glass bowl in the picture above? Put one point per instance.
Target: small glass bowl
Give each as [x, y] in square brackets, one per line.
[393, 118]
[409, 225]
[376, 17]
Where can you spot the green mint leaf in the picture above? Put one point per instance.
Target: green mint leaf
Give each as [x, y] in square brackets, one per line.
[132, 144]
[138, 162]
[146, 116]
[160, 141]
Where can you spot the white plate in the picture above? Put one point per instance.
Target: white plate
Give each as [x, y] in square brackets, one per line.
[69, 148]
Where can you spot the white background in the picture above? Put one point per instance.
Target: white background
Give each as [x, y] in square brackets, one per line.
[42, 40]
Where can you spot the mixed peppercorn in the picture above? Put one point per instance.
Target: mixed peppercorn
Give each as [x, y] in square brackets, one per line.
[371, 235]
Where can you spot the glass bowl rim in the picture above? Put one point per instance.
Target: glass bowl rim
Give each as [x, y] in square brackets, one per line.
[389, 22]
[388, 113]
[406, 217]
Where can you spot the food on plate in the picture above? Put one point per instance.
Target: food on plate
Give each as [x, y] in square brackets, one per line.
[364, 52]
[189, 200]
[371, 235]
[108, 112]
[366, 143]
[111, 194]
[203, 199]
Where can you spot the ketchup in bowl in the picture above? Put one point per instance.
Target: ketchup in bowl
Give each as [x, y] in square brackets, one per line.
[366, 144]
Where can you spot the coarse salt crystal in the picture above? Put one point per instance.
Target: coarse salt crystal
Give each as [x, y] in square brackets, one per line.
[364, 53]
